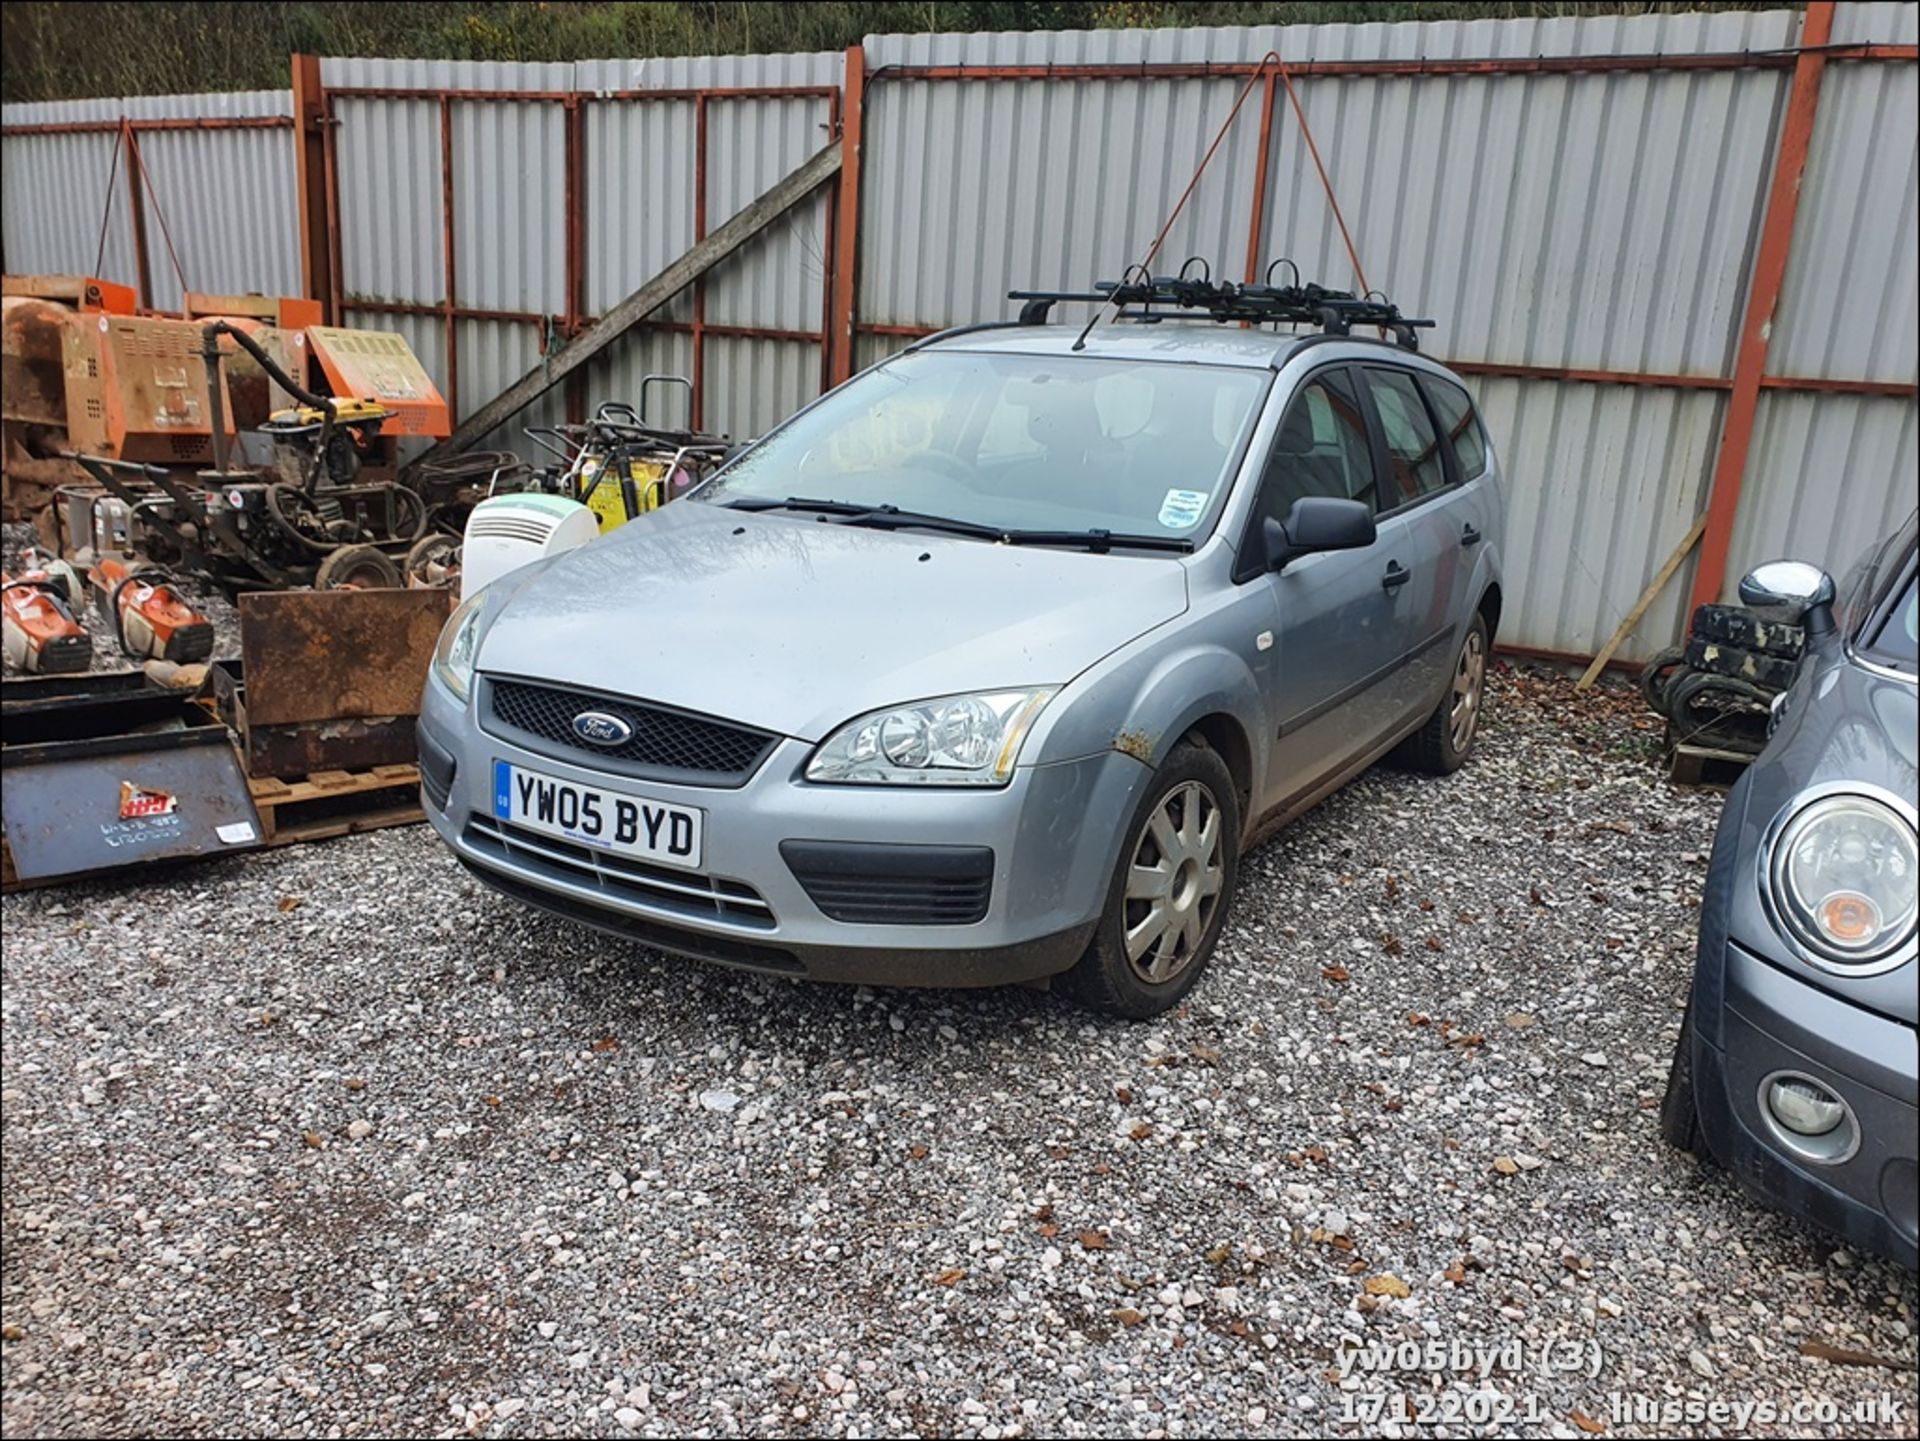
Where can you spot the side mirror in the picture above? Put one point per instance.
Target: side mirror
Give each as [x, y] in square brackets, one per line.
[1792, 591]
[733, 452]
[1317, 523]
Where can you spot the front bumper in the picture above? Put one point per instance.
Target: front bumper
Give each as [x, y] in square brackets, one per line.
[1771, 1022]
[1053, 833]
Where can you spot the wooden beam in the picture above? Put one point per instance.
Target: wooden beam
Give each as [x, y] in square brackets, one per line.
[846, 227]
[678, 275]
[1658, 584]
[310, 182]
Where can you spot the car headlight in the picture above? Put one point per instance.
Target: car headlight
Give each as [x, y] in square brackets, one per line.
[955, 740]
[1843, 875]
[459, 647]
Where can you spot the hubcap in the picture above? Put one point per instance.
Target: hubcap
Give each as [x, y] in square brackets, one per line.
[1468, 677]
[1173, 883]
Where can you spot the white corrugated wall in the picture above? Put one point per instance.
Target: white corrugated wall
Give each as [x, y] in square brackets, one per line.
[226, 197]
[1587, 222]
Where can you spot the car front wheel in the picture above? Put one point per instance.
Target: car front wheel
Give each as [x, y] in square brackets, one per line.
[1170, 891]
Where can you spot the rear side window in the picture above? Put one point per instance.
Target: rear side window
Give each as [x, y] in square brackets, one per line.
[1320, 449]
[1459, 423]
[1413, 446]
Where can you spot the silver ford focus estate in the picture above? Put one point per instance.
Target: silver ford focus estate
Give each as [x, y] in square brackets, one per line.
[987, 666]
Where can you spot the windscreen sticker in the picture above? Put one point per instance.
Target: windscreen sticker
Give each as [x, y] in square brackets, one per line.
[1182, 509]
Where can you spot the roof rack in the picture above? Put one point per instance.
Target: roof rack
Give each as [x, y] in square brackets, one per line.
[1334, 311]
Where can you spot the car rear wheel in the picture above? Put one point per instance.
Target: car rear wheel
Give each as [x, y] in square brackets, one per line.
[1170, 892]
[1441, 746]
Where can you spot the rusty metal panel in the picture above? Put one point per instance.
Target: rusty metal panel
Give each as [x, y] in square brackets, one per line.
[323, 655]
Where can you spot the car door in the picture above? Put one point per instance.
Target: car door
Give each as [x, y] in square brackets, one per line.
[1470, 503]
[1417, 483]
[1340, 637]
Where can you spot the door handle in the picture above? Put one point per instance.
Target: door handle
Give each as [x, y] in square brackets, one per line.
[1469, 536]
[1397, 575]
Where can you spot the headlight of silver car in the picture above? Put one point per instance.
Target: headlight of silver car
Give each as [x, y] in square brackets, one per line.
[1843, 877]
[459, 647]
[955, 740]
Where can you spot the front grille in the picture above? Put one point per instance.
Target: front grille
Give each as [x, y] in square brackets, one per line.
[893, 885]
[686, 893]
[666, 744]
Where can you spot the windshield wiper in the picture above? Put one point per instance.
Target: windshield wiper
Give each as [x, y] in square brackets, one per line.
[892, 517]
[1098, 540]
[796, 502]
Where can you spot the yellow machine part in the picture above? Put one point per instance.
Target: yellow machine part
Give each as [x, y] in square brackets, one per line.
[346, 412]
[616, 500]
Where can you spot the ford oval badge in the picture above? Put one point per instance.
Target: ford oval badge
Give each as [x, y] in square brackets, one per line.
[598, 728]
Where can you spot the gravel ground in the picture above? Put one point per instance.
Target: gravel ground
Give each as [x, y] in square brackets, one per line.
[211, 602]
[331, 1141]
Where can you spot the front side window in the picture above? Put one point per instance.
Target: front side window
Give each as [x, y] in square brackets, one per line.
[1320, 449]
[1459, 422]
[1895, 639]
[1413, 446]
[1018, 442]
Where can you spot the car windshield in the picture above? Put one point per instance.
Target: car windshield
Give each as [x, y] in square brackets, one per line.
[1897, 641]
[1015, 442]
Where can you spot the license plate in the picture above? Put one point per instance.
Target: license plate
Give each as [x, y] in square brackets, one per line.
[626, 825]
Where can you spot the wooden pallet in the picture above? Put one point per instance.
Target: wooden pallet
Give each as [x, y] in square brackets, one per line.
[1706, 766]
[336, 803]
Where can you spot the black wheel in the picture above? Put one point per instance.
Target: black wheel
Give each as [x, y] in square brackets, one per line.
[1660, 673]
[1171, 889]
[433, 560]
[356, 567]
[1679, 1112]
[1442, 745]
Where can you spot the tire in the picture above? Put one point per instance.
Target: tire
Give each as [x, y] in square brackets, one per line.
[1660, 673]
[1679, 1110]
[435, 552]
[356, 567]
[1193, 781]
[1441, 746]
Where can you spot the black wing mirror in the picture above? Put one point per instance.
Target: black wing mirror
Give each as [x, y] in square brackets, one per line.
[1317, 523]
[1790, 590]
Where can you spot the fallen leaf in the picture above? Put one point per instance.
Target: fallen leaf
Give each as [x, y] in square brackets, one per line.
[605, 1044]
[1048, 1229]
[1391, 945]
[1219, 1254]
[1093, 1240]
[1845, 1356]
[1044, 1211]
[1426, 905]
[1433, 943]
[1335, 972]
[1393, 887]
[314, 1139]
[1141, 1131]
[1467, 1040]
[1127, 1316]
[1206, 1055]
[1506, 1165]
[1456, 1274]
[493, 1100]
[1123, 1094]
[1386, 1285]
[1316, 1154]
[1533, 895]
[919, 1153]
[950, 1276]
[1587, 1424]
[1521, 1020]
[1418, 1018]
[355, 1083]
[289, 903]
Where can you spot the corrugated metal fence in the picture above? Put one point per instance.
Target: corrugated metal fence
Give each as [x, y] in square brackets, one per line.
[1578, 201]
